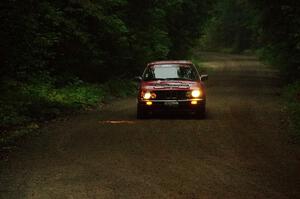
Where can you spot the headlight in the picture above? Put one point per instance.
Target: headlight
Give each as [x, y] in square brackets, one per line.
[196, 93]
[147, 95]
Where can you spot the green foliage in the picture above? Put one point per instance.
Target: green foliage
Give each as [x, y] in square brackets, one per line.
[94, 40]
[119, 88]
[231, 28]
[292, 102]
[37, 102]
[23, 106]
[185, 21]
[279, 37]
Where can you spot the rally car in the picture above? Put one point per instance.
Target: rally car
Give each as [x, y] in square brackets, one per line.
[171, 86]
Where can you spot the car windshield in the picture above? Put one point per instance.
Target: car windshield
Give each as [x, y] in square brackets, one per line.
[170, 72]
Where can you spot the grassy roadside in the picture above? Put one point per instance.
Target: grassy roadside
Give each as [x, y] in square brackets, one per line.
[291, 97]
[291, 92]
[25, 106]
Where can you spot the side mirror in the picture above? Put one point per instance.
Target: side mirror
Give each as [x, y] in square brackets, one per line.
[204, 77]
[138, 79]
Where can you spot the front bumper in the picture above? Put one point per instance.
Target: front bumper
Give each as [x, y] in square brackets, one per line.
[173, 105]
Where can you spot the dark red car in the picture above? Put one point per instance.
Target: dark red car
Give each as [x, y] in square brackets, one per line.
[171, 86]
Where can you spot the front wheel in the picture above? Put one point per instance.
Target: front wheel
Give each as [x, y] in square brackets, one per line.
[141, 113]
[201, 113]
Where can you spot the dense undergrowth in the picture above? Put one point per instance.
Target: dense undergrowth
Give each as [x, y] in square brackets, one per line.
[292, 103]
[24, 106]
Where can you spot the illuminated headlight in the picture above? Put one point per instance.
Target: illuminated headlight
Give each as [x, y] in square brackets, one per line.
[147, 95]
[196, 93]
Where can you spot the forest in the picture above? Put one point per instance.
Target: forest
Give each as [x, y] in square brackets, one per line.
[58, 56]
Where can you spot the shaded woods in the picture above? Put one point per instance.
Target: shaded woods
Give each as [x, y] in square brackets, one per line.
[58, 55]
[95, 40]
[269, 28]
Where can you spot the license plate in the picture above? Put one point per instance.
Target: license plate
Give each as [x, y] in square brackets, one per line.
[171, 103]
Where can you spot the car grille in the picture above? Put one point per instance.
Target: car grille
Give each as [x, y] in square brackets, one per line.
[171, 95]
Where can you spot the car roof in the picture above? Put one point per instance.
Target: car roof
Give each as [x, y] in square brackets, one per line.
[185, 62]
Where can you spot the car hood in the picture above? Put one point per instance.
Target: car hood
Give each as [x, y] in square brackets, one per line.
[170, 85]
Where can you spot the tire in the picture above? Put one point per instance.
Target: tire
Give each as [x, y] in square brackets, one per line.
[201, 113]
[141, 113]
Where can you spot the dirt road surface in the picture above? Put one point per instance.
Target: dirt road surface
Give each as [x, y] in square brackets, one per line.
[241, 150]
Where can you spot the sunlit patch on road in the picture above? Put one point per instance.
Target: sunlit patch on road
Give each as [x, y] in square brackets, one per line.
[117, 122]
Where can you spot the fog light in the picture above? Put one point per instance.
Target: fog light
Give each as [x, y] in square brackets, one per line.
[149, 103]
[194, 102]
